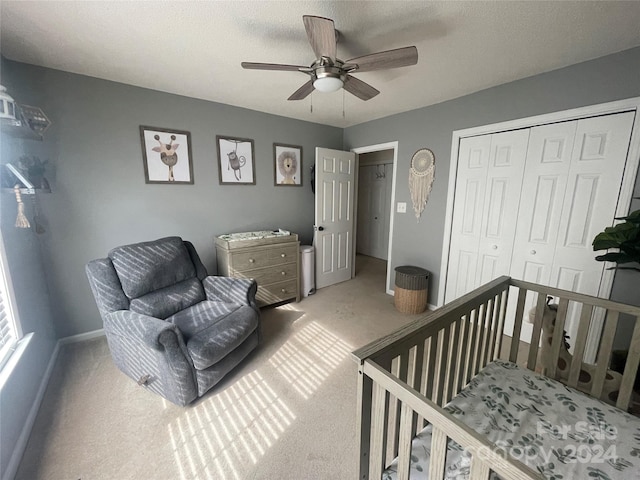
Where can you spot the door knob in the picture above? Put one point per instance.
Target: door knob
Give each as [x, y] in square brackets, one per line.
[321, 228]
[533, 252]
[494, 247]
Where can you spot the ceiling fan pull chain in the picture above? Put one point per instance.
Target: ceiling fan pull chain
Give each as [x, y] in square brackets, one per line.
[343, 103]
[311, 96]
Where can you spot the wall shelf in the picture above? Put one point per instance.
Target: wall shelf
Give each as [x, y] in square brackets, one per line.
[18, 129]
[27, 187]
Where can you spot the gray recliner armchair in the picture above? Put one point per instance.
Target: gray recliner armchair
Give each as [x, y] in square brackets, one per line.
[168, 324]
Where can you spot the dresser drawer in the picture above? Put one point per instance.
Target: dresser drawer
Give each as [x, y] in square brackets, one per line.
[263, 257]
[276, 292]
[278, 273]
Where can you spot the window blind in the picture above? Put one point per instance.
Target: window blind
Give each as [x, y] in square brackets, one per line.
[8, 334]
[6, 328]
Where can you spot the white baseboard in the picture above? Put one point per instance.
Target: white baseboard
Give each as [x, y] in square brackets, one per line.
[81, 337]
[23, 439]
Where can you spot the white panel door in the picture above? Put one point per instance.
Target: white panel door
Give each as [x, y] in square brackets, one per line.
[473, 164]
[595, 175]
[489, 179]
[502, 198]
[333, 235]
[546, 173]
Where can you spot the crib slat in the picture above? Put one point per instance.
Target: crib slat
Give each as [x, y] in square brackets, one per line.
[501, 305]
[438, 454]
[431, 365]
[442, 363]
[604, 353]
[477, 339]
[486, 346]
[454, 355]
[517, 326]
[363, 420]
[403, 369]
[417, 378]
[580, 342]
[558, 336]
[503, 315]
[378, 431]
[630, 369]
[404, 452]
[535, 336]
[462, 361]
[468, 368]
[479, 470]
[494, 331]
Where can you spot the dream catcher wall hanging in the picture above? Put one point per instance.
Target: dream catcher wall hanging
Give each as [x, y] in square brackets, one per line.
[421, 175]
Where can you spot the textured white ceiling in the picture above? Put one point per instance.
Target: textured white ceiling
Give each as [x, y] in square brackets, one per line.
[195, 48]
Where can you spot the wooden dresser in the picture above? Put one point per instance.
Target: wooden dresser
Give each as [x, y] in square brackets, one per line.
[272, 259]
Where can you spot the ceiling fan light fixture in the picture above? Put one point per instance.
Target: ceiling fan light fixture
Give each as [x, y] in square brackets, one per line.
[328, 84]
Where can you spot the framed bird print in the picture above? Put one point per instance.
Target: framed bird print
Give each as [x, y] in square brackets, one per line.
[166, 155]
[287, 165]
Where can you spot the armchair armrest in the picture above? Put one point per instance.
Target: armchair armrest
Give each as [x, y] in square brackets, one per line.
[150, 331]
[152, 352]
[231, 289]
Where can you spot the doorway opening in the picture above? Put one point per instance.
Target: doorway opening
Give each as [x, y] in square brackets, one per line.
[375, 198]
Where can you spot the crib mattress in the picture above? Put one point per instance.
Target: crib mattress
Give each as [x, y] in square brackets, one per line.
[554, 429]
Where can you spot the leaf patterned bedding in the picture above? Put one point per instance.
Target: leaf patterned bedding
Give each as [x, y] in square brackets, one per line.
[555, 430]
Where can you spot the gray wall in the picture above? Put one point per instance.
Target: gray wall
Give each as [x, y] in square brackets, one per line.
[21, 378]
[609, 78]
[99, 198]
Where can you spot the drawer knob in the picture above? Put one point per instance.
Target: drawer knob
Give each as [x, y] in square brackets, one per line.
[284, 273]
[251, 260]
[283, 255]
[284, 290]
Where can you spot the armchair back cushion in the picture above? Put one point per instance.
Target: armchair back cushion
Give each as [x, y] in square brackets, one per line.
[148, 266]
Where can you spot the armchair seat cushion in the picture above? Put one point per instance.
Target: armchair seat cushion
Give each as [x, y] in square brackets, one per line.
[212, 329]
[169, 300]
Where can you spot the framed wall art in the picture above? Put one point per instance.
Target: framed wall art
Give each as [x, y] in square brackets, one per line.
[236, 165]
[287, 169]
[166, 155]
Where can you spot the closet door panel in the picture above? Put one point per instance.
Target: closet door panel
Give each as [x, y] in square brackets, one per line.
[598, 161]
[473, 162]
[502, 198]
[546, 173]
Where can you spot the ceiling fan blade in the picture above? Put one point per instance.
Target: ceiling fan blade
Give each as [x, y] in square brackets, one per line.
[400, 57]
[302, 92]
[322, 35]
[360, 89]
[271, 66]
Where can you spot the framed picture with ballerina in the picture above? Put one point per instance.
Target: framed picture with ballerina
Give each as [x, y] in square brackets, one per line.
[287, 169]
[166, 155]
[236, 165]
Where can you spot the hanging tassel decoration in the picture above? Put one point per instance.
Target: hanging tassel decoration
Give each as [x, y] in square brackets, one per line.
[21, 220]
[421, 176]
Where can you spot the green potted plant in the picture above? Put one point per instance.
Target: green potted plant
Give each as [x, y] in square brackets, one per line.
[624, 238]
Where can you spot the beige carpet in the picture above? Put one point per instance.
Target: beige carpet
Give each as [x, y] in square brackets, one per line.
[287, 412]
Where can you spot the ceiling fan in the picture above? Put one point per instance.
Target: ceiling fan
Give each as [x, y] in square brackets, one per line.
[328, 73]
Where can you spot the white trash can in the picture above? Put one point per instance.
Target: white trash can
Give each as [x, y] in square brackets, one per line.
[307, 265]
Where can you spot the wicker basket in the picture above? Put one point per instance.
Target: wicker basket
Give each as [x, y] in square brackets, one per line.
[410, 293]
